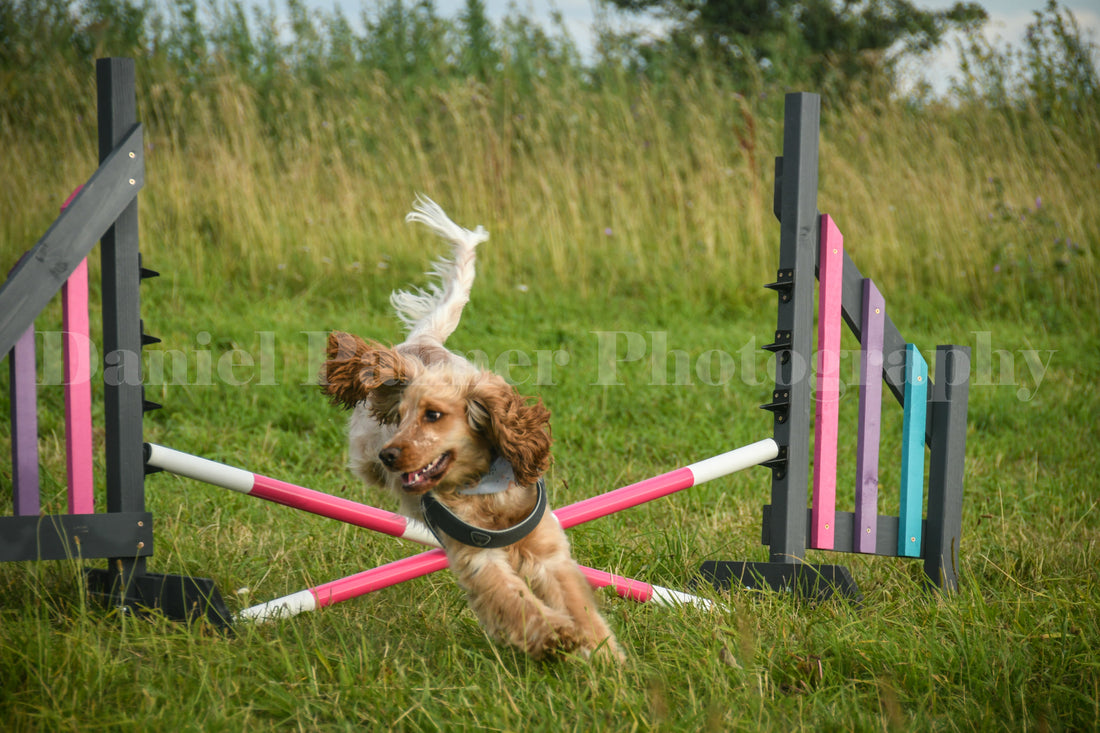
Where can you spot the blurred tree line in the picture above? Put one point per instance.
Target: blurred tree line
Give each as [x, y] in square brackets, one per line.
[823, 43]
[844, 49]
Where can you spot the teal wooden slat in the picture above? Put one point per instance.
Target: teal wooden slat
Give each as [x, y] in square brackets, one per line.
[912, 453]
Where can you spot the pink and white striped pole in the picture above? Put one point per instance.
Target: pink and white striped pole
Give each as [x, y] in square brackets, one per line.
[595, 507]
[287, 494]
[667, 483]
[408, 568]
[569, 516]
[396, 525]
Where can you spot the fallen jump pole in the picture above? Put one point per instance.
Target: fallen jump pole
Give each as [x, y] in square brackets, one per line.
[649, 489]
[397, 525]
[586, 510]
[287, 494]
[363, 515]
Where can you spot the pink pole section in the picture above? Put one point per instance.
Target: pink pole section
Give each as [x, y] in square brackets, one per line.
[830, 277]
[625, 498]
[78, 387]
[326, 505]
[287, 494]
[667, 483]
[378, 578]
[432, 561]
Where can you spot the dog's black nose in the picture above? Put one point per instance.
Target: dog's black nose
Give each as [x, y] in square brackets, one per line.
[389, 456]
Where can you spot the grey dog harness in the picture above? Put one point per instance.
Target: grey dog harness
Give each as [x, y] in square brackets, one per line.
[441, 519]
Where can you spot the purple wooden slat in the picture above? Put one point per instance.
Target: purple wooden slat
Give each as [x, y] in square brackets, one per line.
[870, 418]
[24, 425]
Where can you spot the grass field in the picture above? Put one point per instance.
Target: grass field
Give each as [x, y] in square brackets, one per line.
[631, 231]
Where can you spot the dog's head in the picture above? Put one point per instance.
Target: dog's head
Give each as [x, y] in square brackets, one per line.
[451, 422]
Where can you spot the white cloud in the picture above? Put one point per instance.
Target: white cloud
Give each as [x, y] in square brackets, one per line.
[1007, 25]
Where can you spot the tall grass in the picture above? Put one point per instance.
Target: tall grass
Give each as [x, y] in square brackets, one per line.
[308, 167]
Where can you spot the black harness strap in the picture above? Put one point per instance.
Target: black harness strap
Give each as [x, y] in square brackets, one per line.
[441, 519]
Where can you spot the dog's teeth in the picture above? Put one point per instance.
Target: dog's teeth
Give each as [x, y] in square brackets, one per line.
[415, 477]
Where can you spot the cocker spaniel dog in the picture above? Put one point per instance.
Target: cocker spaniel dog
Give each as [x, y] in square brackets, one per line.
[465, 452]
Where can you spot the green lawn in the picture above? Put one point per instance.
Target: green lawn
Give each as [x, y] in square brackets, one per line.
[630, 238]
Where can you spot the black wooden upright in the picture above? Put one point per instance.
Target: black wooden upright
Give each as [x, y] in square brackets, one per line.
[121, 275]
[793, 344]
[785, 523]
[105, 209]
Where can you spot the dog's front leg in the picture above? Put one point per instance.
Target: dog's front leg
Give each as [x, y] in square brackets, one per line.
[510, 612]
[594, 635]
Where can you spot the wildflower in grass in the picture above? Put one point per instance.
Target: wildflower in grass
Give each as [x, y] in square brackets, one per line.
[996, 268]
[608, 231]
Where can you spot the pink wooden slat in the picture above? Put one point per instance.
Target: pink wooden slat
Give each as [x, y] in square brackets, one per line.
[78, 387]
[830, 293]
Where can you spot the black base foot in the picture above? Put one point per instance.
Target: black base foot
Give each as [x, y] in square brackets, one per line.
[178, 597]
[814, 582]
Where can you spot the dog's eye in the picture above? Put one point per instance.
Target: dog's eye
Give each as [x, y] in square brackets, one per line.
[432, 415]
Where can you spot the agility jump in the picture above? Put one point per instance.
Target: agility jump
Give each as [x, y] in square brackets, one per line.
[397, 525]
[811, 248]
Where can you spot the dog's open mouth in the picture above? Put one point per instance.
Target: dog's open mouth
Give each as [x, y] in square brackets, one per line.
[428, 476]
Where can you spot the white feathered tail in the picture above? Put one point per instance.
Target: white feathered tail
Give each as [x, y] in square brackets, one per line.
[434, 313]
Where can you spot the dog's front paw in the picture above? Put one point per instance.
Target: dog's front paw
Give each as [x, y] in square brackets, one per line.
[553, 639]
[565, 639]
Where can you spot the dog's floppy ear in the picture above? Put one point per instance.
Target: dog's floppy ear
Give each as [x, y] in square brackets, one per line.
[356, 370]
[517, 427]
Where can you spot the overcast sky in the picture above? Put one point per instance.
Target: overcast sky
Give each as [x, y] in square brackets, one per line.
[1008, 20]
